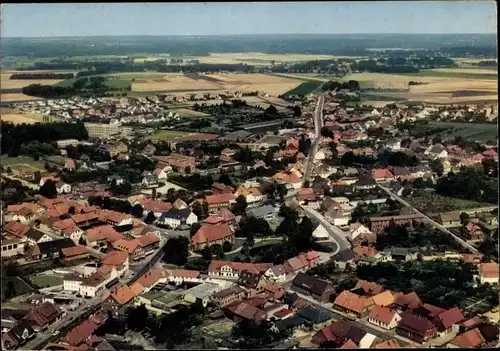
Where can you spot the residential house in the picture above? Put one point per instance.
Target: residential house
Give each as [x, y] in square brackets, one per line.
[48, 249]
[359, 234]
[449, 219]
[489, 273]
[245, 311]
[301, 262]
[150, 181]
[342, 331]
[95, 283]
[274, 291]
[319, 289]
[34, 237]
[158, 207]
[384, 299]
[116, 148]
[217, 202]
[349, 302]
[276, 273]
[292, 180]
[468, 340]
[436, 151]
[229, 296]
[472, 232]
[101, 235]
[402, 173]
[320, 232]
[210, 235]
[12, 247]
[365, 288]
[404, 302]
[15, 229]
[43, 316]
[416, 328]
[344, 258]
[74, 253]
[252, 195]
[234, 269]
[115, 298]
[384, 317]
[378, 224]
[382, 175]
[63, 188]
[224, 216]
[266, 212]
[20, 334]
[118, 260]
[220, 188]
[174, 218]
[448, 321]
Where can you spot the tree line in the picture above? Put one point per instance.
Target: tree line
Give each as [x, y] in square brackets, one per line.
[42, 76]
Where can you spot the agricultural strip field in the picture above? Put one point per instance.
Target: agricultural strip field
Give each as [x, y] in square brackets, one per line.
[20, 118]
[430, 202]
[217, 83]
[470, 131]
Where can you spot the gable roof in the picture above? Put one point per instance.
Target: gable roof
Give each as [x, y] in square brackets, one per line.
[470, 339]
[344, 256]
[382, 314]
[115, 258]
[16, 229]
[368, 288]
[448, 318]
[388, 344]
[207, 233]
[352, 302]
[385, 298]
[312, 284]
[416, 324]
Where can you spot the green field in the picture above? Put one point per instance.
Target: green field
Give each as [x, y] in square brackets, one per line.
[20, 287]
[168, 135]
[432, 203]
[305, 88]
[470, 131]
[21, 160]
[45, 281]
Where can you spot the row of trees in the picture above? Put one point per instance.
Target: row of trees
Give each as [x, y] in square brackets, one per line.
[13, 136]
[42, 75]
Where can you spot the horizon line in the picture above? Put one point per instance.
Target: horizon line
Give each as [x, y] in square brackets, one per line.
[229, 35]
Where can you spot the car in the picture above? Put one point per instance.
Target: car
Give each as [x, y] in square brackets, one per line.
[57, 332]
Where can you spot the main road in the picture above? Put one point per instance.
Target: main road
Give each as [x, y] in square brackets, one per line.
[318, 124]
[430, 220]
[72, 318]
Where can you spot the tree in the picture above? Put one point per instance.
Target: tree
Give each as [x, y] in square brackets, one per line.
[137, 211]
[137, 317]
[150, 218]
[218, 251]
[240, 205]
[194, 228]
[206, 253]
[37, 176]
[437, 166]
[82, 241]
[464, 218]
[48, 189]
[271, 110]
[10, 290]
[227, 246]
[176, 251]
[297, 111]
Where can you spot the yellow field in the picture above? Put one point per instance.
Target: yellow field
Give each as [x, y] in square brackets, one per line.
[465, 70]
[7, 83]
[19, 119]
[251, 58]
[218, 83]
[17, 97]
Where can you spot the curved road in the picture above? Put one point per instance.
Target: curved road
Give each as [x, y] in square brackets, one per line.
[434, 223]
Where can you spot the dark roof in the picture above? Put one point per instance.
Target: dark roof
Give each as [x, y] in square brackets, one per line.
[489, 331]
[415, 324]
[364, 180]
[344, 256]
[249, 280]
[290, 323]
[309, 283]
[34, 234]
[174, 213]
[315, 314]
[50, 247]
[18, 329]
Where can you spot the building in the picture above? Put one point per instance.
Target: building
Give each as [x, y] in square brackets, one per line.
[202, 292]
[210, 235]
[472, 232]
[384, 317]
[97, 130]
[349, 302]
[277, 273]
[220, 201]
[234, 269]
[229, 295]
[62, 144]
[489, 273]
[344, 258]
[319, 289]
[416, 328]
[449, 219]
[49, 249]
[266, 212]
[43, 316]
[12, 247]
[18, 335]
[378, 224]
[34, 237]
[174, 217]
[340, 332]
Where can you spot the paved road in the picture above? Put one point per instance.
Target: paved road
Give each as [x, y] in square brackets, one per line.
[318, 123]
[430, 220]
[335, 233]
[379, 333]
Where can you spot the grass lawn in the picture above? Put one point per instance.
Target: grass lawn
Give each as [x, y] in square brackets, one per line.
[116, 82]
[430, 202]
[168, 135]
[45, 281]
[21, 160]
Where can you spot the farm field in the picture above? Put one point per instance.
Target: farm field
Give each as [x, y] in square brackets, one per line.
[470, 131]
[8, 83]
[19, 118]
[431, 203]
[438, 89]
[217, 83]
[305, 88]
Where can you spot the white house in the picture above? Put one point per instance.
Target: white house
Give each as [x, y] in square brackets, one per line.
[12, 247]
[437, 150]
[94, 284]
[276, 273]
[162, 173]
[150, 181]
[356, 229]
[72, 282]
[174, 218]
[63, 188]
[384, 317]
[35, 237]
[319, 156]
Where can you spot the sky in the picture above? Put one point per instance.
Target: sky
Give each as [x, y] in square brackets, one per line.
[428, 17]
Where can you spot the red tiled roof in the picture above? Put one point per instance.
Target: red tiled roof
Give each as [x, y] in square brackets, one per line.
[489, 270]
[349, 344]
[16, 229]
[411, 300]
[382, 314]
[470, 339]
[365, 251]
[76, 250]
[352, 302]
[148, 239]
[381, 173]
[368, 287]
[78, 334]
[450, 317]
[182, 273]
[208, 234]
[219, 199]
[216, 265]
[388, 344]
[114, 258]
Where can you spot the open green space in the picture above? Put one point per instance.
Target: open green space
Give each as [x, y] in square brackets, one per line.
[45, 281]
[430, 202]
[21, 160]
[168, 135]
[470, 131]
[305, 88]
